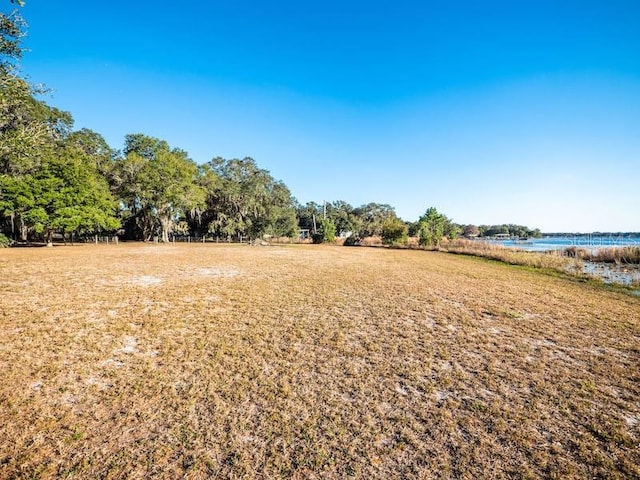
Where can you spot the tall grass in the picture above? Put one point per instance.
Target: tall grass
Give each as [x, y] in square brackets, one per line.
[629, 255]
[555, 260]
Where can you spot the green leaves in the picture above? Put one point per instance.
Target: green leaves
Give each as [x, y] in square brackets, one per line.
[326, 231]
[53, 179]
[394, 232]
[372, 218]
[245, 200]
[433, 227]
[12, 27]
[157, 184]
[62, 191]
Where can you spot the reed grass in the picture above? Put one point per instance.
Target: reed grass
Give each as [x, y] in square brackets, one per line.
[554, 260]
[626, 255]
[629, 255]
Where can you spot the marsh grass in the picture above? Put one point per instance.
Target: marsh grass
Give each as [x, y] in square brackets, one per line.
[629, 255]
[553, 260]
[218, 361]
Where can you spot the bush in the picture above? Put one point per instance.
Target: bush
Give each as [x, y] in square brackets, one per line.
[326, 232]
[394, 232]
[351, 241]
[4, 241]
[317, 238]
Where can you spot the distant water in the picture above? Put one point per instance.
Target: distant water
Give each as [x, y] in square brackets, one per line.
[609, 273]
[582, 241]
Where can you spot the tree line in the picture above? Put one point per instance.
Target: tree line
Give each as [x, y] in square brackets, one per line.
[373, 220]
[55, 180]
[510, 230]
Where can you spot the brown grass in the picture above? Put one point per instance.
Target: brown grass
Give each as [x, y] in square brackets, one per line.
[374, 241]
[199, 361]
[617, 255]
[553, 260]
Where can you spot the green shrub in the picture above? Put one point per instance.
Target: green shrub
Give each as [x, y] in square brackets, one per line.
[326, 232]
[4, 241]
[351, 241]
[394, 232]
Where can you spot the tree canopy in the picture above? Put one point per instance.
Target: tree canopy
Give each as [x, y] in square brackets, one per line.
[12, 29]
[157, 186]
[48, 182]
[246, 201]
[433, 226]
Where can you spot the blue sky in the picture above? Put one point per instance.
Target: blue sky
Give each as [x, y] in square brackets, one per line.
[491, 111]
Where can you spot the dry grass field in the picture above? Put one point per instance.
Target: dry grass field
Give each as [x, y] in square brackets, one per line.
[207, 361]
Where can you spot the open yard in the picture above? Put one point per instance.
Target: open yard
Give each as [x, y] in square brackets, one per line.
[203, 361]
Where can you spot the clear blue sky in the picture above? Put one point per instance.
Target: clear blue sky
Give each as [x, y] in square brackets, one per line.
[492, 111]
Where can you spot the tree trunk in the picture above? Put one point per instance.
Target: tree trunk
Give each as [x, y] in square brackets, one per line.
[23, 231]
[165, 222]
